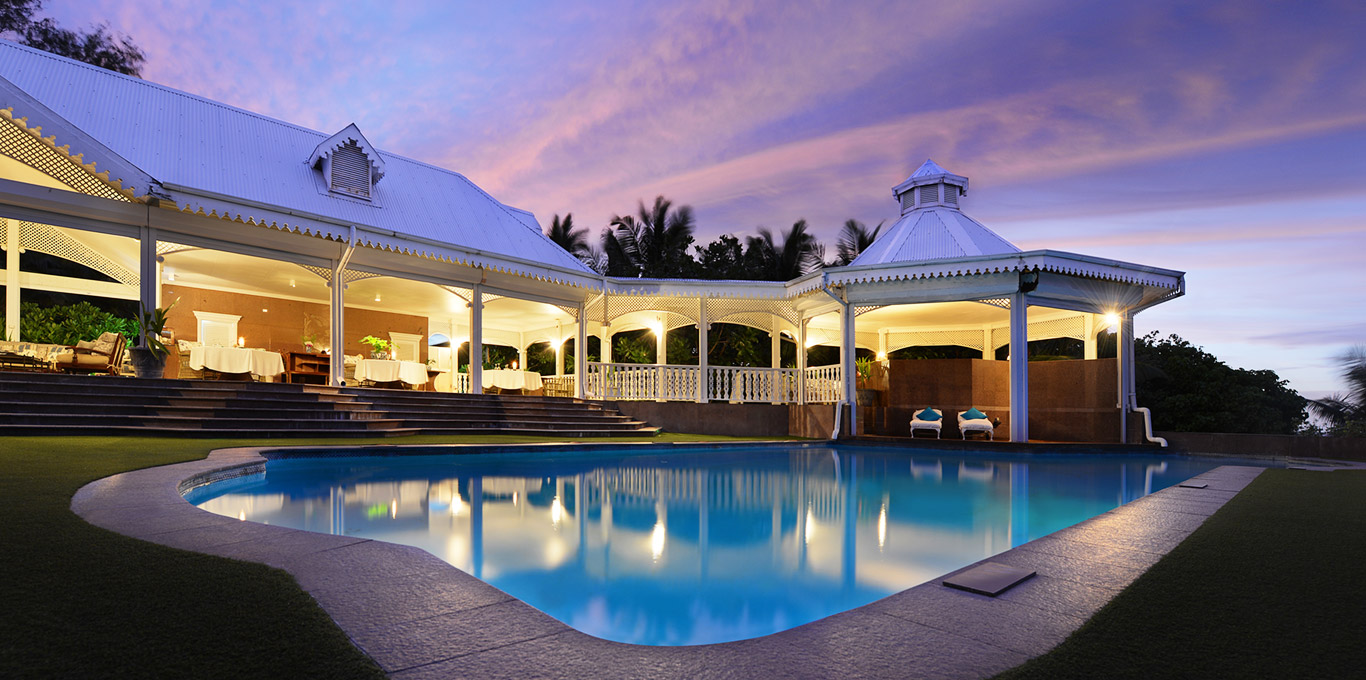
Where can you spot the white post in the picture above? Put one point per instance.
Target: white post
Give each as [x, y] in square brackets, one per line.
[661, 344]
[148, 283]
[1019, 368]
[847, 373]
[521, 350]
[477, 340]
[1124, 355]
[801, 360]
[580, 354]
[559, 351]
[1088, 332]
[605, 344]
[988, 351]
[703, 347]
[12, 280]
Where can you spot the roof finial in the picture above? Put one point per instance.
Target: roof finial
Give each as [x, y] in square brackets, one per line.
[930, 186]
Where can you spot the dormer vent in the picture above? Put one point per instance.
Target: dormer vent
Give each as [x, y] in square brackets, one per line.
[349, 165]
[349, 171]
[930, 186]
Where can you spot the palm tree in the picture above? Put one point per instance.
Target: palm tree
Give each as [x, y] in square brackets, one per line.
[854, 239]
[1346, 413]
[653, 243]
[795, 254]
[575, 241]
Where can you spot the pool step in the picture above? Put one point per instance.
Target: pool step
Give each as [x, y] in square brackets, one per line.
[50, 404]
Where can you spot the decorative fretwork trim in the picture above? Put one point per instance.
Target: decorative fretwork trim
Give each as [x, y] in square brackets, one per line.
[43, 238]
[28, 146]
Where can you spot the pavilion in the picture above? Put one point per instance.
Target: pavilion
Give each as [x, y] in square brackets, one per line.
[172, 196]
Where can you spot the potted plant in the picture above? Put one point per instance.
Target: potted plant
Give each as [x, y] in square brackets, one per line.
[865, 393]
[149, 355]
[379, 347]
[309, 339]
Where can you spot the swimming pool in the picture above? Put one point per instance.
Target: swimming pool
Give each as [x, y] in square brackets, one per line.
[679, 546]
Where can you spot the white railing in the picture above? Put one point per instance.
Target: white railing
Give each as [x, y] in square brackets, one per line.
[649, 382]
[771, 385]
[823, 384]
[460, 383]
[642, 382]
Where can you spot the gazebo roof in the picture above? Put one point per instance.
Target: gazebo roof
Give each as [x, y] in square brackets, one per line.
[934, 228]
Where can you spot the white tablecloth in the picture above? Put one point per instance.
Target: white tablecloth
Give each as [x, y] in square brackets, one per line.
[512, 380]
[385, 370]
[257, 362]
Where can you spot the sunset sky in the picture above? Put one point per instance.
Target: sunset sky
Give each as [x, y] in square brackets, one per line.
[1224, 139]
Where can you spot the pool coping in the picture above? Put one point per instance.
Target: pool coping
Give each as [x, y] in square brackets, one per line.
[419, 617]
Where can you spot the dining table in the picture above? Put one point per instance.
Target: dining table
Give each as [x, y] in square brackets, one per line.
[389, 370]
[505, 379]
[259, 363]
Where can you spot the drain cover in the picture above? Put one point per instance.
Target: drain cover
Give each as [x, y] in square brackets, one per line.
[990, 578]
[1193, 485]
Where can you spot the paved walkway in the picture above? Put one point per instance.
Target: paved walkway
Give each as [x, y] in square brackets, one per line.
[419, 617]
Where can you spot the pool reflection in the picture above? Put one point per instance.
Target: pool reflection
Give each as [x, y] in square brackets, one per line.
[690, 548]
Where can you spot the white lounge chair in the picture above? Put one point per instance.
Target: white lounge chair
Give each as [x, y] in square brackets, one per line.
[933, 425]
[975, 425]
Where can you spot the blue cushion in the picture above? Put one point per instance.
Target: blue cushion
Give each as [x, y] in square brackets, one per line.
[929, 415]
[974, 414]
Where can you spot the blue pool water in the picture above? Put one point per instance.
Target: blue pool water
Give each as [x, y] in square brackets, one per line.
[679, 547]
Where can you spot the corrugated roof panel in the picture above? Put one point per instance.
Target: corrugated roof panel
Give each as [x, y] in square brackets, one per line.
[202, 145]
[934, 233]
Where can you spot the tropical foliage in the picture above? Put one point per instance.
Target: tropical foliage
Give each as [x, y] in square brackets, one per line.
[574, 241]
[1345, 412]
[69, 324]
[854, 238]
[653, 243]
[99, 47]
[1189, 390]
[783, 258]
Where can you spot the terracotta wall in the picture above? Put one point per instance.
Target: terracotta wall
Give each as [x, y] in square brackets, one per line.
[1068, 400]
[281, 328]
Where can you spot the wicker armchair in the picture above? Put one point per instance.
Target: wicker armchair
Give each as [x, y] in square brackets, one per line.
[104, 355]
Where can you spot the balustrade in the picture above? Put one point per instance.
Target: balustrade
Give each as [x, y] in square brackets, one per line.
[650, 382]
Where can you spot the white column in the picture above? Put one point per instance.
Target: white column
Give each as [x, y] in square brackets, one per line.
[661, 342]
[148, 283]
[477, 340]
[1088, 333]
[521, 350]
[580, 359]
[336, 332]
[12, 280]
[1019, 368]
[847, 374]
[775, 339]
[1124, 356]
[703, 347]
[559, 350]
[801, 360]
[605, 344]
[988, 351]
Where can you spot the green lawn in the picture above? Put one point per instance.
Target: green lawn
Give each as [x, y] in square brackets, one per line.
[1269, 587]
[77, 601]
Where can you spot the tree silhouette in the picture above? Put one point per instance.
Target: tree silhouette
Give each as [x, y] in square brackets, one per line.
[574, 241]
[1346, 412]
[853, 240]
[99, 47]
[652, 244]
[783, 258]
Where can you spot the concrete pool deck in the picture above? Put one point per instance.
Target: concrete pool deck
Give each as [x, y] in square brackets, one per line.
[419, 617]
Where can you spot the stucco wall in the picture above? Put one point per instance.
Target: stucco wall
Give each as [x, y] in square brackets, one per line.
[739, 420]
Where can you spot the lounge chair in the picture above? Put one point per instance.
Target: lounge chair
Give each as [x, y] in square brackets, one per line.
[103, 355]
[978, 423]
[935, 423]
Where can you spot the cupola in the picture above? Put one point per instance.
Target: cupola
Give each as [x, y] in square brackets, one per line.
[930, 186]
[350, 165]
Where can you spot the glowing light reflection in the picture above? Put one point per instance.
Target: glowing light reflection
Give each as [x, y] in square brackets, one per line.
[657, 541]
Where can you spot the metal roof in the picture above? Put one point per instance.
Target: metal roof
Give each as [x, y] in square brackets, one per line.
[206, 153]
[934, 233]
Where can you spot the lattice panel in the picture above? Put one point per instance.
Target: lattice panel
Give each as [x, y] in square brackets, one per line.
[45, 239]
[1068, 327]
[573, 311]
[860, 310]
[1003, 303]
[729, 309]
[348, 275]
[4, 233]
[465, 294]
[619, 306]
[167, 247]
[26, 146]
[973, 339]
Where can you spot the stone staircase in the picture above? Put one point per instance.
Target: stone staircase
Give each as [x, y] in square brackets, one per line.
[52, 404]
